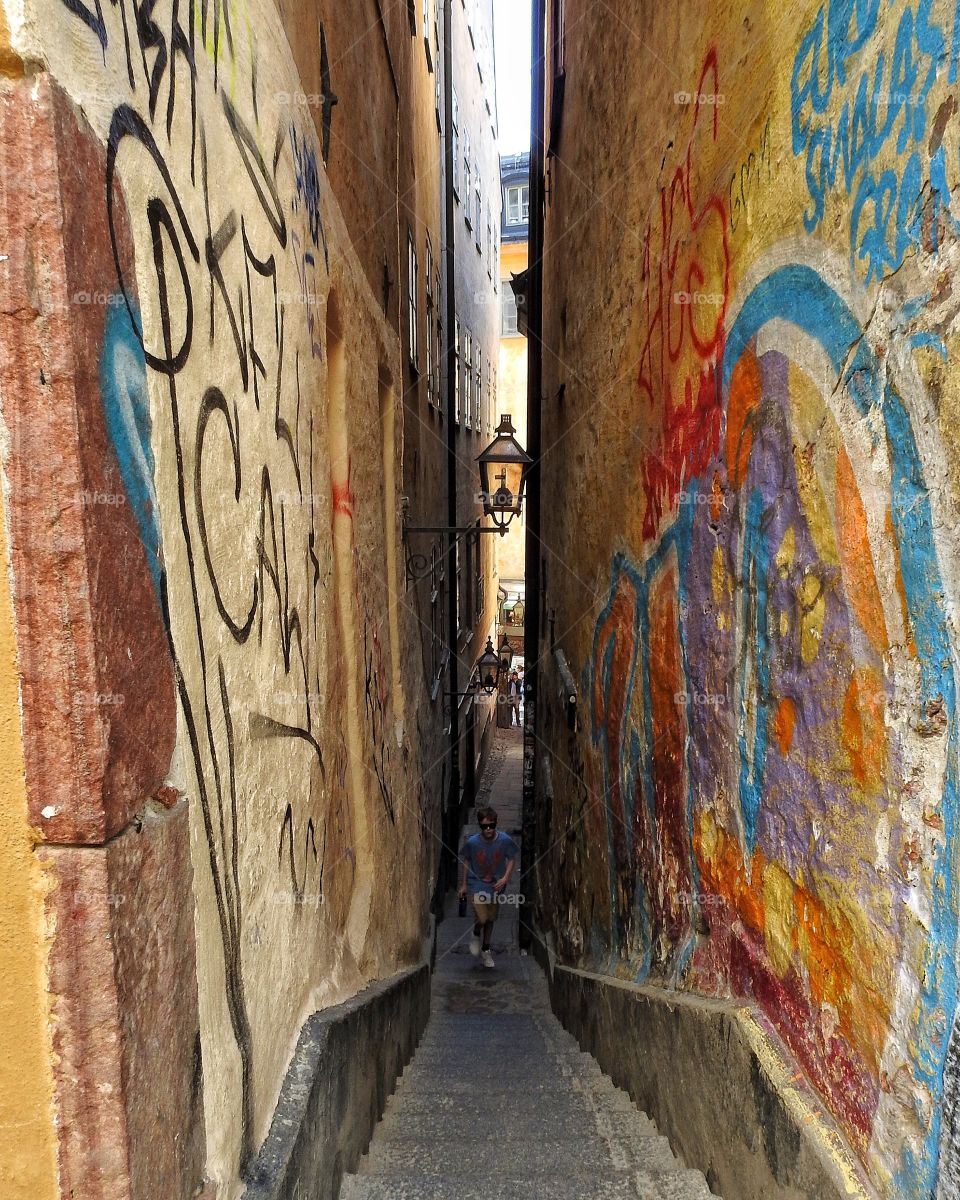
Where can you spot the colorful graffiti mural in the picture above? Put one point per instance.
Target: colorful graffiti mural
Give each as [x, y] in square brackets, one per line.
[742, 705]
[772, 677]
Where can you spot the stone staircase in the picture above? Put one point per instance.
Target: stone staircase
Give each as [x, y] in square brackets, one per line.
[499, 1103]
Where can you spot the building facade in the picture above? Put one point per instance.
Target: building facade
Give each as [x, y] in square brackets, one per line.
[476, 207]
[225, 735]
[750, 563]
[512, 393]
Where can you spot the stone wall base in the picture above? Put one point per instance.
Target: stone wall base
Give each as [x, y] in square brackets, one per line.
[718, 1084]
[345, 1066]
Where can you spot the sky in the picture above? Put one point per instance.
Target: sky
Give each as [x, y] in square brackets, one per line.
[511, 35]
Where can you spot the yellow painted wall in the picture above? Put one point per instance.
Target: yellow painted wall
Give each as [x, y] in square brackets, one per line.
[512, 399]
[28, 1157]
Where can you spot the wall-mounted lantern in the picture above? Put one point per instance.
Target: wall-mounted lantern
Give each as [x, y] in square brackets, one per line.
[503, 488]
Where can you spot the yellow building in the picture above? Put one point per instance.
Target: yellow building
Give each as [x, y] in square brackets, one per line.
[512, 384]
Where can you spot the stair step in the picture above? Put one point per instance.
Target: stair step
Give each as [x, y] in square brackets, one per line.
[510, 1185]
[552, 1155]
[440, 1159]
[461, 1093]
[613, 1117]
[520, 1064]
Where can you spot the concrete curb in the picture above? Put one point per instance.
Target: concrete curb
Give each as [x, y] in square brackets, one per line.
[717, 1083]
[346, 1064]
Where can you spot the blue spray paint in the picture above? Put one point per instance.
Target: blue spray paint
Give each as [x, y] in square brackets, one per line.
[881, 110]
[126, 410]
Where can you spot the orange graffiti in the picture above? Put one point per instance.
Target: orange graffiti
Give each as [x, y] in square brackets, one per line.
[854, 542]
[864, 734]
[784, 723]
[746, 386]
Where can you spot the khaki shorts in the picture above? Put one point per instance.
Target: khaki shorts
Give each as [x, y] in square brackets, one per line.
[486, 910]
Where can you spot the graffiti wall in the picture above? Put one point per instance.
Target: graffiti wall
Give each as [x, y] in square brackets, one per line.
[243, 369]
[766, 630]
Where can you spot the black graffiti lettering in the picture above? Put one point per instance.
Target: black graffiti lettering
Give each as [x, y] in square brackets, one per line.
[94, 20]
[280, 425]
[215, 401]
[266, 269]
[257, 170]
[122, 5]
[309, 847]
[151, 38]
[126, 123]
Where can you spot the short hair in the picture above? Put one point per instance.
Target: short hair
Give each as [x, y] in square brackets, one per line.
[486, 813]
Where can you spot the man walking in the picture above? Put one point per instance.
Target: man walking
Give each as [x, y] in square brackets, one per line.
[487, 861]
[515, 694]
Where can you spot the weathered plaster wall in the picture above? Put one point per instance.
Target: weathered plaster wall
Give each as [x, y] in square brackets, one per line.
[751, 520]
[198, 517]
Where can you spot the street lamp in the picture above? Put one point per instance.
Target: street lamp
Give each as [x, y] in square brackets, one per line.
[502, 497]
[503, 502]
[485, 676]
[488, 668]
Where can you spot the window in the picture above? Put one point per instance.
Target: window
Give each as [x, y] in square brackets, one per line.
[438, 346]
[456, 146]
[479, 599]
[456, 368]
[412, 17]
[508, 314]
[438, 98]
[477, 211]
[518, 204]
[478, 394]
[467, 379]
[489, 395]
[428, 343]
[461, 594]
[559, 31]
[438, 581]
[413, 285]
[426, 34]
[490, 244]
[466, 176]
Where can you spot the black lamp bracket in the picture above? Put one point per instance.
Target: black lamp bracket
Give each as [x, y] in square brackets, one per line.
[419, 566]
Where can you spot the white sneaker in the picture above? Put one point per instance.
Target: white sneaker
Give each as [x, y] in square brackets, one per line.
[488, 959]
[474, 945]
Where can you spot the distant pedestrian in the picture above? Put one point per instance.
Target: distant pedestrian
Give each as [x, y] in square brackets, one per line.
[487, 861]
[516, 694]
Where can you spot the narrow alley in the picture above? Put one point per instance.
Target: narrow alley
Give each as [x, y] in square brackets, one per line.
[499, 1103]
[480, 599]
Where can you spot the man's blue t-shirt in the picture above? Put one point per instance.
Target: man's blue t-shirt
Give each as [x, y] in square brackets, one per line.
[487, 861]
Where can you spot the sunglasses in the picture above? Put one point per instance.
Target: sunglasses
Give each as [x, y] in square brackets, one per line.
[488, 824]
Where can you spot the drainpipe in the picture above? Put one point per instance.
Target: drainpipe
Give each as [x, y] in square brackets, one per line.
[452, 816]
[531, 640]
